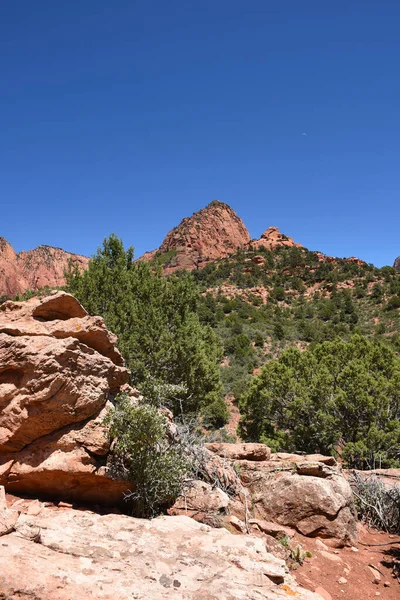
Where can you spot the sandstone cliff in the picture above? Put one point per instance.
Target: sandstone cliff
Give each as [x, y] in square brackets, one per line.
[214, 232]
[32, 270]
[397, 264]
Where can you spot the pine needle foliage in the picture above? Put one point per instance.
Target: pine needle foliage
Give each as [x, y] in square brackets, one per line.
[335, 396]
[158, 328]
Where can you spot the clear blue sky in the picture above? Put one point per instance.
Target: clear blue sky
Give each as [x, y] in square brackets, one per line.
[126, 116]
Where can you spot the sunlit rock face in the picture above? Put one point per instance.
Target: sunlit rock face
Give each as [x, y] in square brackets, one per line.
[59, 368]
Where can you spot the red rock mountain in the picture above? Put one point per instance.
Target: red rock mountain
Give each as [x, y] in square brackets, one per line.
[211, 233]
[43, 266]
[397, 264]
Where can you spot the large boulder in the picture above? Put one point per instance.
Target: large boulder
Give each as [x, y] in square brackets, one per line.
[67, 554]
[306, 493]
[58, 369]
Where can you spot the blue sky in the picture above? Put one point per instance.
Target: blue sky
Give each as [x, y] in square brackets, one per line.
[127, 116]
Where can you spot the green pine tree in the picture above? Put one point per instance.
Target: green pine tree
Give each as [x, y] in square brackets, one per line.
[334, 395]
[170, 354]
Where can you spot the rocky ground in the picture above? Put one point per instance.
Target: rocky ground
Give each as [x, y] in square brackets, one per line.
[59, 551]
[49, 552]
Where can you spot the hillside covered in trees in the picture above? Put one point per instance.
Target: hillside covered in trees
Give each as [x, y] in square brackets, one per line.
[210, 332]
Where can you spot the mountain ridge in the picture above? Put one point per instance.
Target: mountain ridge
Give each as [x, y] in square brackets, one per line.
[213, 233]
[34, 269]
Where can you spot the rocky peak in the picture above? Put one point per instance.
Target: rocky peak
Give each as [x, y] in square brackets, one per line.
[213, 232]
[6, 250]
[397, 264]
[272, 238]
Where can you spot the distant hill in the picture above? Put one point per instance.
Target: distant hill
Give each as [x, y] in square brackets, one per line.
[35, 269]
[203, 241]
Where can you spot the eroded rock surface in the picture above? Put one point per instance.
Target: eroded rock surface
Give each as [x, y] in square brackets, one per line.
[58, 369]
[257, 452]
[68, 554]
[212, 233]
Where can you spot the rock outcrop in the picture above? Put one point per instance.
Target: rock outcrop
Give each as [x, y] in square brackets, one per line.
[68, 554]
[59, 368]
[306, 493]
[209, 234]
[396, 264]
[35, 269]
[272, 238]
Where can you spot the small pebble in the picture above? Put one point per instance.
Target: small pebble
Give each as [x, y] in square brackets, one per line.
[342, 580]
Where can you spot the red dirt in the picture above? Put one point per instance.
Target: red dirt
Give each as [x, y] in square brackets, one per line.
[234, 416]
[327, 567]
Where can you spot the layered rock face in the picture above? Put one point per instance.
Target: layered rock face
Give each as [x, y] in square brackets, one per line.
[32, 270]
[211, 233]
[58, 370]
[306, 493]
[397, 264]
[66, 554]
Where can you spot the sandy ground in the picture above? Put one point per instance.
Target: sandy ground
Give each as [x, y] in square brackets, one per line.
[362, 572]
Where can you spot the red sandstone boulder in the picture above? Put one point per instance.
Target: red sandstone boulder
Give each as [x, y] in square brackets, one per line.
[58, 368]
[202, 502]
[306, 493]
